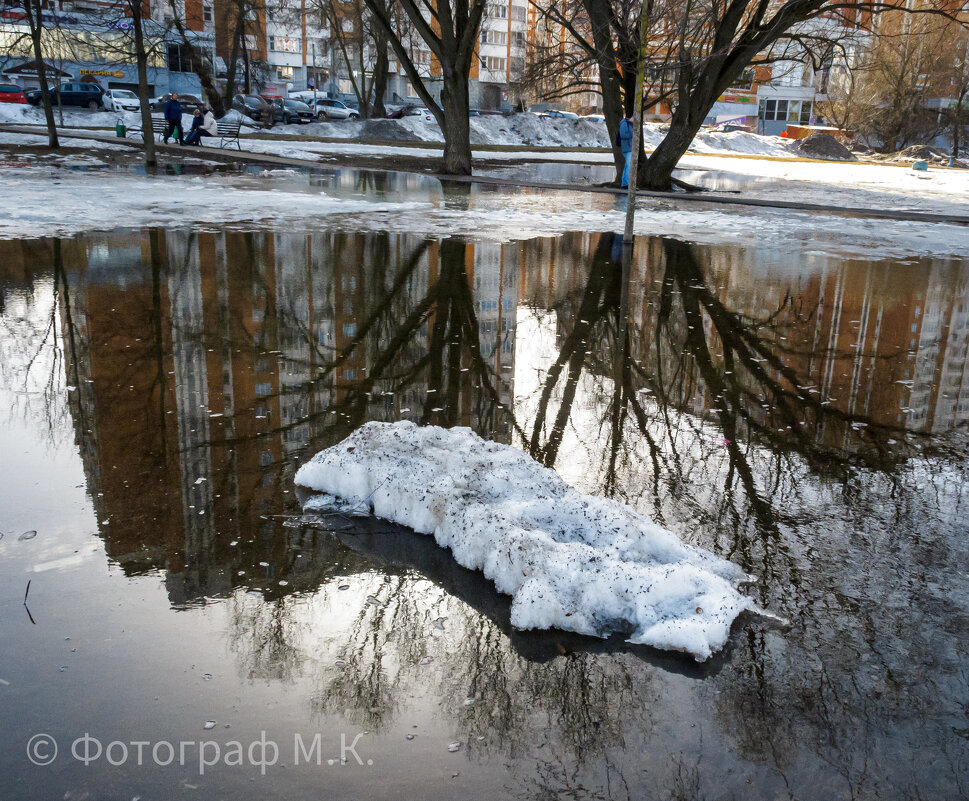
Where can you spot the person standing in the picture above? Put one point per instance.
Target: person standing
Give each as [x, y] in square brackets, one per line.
[173, 119]
[626, 145]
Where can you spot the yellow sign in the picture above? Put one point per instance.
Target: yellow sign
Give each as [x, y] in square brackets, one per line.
[105, 73]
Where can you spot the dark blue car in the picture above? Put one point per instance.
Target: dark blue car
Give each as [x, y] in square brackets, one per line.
[82, 94]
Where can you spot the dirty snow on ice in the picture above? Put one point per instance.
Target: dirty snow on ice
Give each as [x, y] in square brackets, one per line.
[570, 561]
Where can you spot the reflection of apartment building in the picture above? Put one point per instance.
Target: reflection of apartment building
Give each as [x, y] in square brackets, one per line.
[207, 365]
[874, 343]
[855, 340]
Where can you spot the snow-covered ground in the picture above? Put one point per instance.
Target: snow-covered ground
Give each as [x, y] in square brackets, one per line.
[570, 561]
[846, 184]
[42, 199]
[32, 204]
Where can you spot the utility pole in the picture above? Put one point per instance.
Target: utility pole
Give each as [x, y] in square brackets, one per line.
[316, 76]
[627, 237]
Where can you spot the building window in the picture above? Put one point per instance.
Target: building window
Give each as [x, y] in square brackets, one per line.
[786, 110]
[285, 73]
[179, 59]
[410, 90]
[495, 11]
[207, 15]
[744, 83]
[285, 44]
[346, 86]
[495, 63]
[494, 37]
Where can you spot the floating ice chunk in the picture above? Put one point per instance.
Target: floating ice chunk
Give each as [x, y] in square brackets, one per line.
[570, 561]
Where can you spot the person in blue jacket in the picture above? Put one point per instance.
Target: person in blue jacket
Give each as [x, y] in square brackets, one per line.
[626, 145]
[173, 119]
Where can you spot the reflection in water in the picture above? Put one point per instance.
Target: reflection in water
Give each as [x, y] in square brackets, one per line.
[805, 421]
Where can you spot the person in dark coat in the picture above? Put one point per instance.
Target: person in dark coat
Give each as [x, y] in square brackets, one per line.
[173, 119]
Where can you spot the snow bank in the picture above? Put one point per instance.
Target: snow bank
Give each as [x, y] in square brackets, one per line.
[569, 561]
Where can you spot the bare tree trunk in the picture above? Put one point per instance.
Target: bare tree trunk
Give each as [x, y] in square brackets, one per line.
[380, 70]
[609, 79]
[36, 27]
[141, 56]
[959, 120]
[203, 67]
[247, 80]
[230, 70]
[456, 103]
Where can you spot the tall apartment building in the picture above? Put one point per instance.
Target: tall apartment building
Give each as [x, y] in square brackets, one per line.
[295, 42]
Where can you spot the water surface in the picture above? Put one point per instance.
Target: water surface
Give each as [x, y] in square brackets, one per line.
[803, 416]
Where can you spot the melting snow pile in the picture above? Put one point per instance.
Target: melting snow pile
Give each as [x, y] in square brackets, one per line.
[569, 561]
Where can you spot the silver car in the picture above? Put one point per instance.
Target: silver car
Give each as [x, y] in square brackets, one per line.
[328, 109]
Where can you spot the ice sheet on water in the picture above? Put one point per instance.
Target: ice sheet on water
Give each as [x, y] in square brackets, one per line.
[569, 561]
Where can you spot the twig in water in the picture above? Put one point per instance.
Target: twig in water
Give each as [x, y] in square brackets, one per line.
[26, 593]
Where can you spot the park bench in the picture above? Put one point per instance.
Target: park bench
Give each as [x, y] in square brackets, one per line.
[157, 128]
[229, 131]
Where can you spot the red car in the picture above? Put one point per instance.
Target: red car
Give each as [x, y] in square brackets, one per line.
[11, 93]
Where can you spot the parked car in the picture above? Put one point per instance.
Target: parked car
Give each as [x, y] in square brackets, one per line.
[83, 94]
[329, 109]
[412, 111]
[594, 117]
[292, 111]
[11, 93]
[121, 100]
[253, 106]
[189, 102]
[559, 115]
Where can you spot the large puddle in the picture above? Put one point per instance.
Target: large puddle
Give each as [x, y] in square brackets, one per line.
[803, 416]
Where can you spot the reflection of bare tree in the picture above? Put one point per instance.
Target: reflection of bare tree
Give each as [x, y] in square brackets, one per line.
[263, 635]
[31, 359]
[410, 636]
[699, 411]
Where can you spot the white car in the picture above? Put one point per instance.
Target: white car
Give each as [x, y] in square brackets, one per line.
[121, 100]
[423, 113]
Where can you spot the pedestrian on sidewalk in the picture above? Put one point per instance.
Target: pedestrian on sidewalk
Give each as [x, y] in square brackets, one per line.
[202, 125]
[626, 145]
[173, 119]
